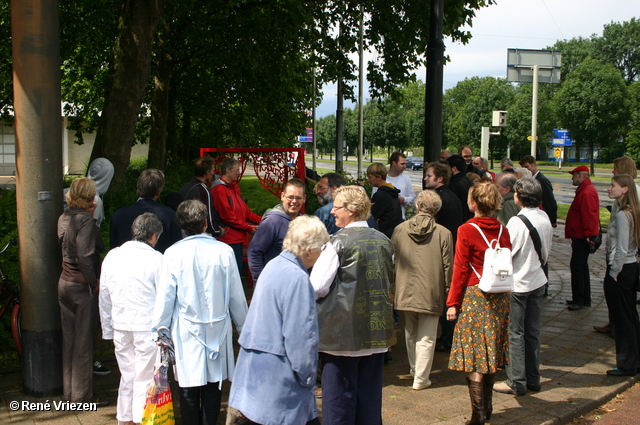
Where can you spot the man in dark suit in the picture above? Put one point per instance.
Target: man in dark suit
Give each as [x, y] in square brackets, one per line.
[549, 204]
[437, 176]
[460, 183]
[150, 185]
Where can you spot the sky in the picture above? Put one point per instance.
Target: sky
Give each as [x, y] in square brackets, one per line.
[522, 24]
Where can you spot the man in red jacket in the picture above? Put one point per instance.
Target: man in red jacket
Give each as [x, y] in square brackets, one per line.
[233, 211]
[583, 227]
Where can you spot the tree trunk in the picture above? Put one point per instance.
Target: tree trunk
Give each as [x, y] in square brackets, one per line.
[160, 104]
[186, 135]
[171, 144]
[127, 82]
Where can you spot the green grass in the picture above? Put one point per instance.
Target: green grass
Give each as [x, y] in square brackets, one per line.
[563, 209]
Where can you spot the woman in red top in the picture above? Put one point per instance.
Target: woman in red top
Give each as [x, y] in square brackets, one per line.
[480, 341]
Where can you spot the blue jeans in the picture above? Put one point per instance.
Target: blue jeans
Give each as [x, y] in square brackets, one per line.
[524, 339]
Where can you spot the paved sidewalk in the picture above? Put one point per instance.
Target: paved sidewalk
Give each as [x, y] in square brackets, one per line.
[574, 364]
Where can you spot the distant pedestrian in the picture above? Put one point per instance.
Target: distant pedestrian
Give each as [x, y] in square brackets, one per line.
[621, 278]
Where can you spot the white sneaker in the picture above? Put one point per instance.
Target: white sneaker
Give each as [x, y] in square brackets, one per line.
[419, 387]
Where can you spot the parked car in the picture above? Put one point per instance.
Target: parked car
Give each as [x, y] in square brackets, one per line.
[415, 162]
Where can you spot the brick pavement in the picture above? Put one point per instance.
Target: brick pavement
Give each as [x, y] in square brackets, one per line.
[574, 362]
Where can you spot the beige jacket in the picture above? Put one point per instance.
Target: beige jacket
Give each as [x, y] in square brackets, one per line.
[423, 254]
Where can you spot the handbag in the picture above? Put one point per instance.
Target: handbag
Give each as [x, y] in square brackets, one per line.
[497, 271]
[158, 408]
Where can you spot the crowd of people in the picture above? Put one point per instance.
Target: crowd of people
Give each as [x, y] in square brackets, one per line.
[330, 289]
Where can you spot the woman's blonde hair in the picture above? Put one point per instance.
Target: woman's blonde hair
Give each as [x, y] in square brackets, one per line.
[629, 202]
[626, 165]
[486, 197]
[428, 201]
[354, 199]
[82, 193]
[305, 232]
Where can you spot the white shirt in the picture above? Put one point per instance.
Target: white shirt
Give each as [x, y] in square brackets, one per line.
[401, 182]
[128, 288]
[527, 270]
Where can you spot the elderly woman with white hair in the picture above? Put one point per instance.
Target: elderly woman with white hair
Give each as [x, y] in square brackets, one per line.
[276, 371]
[421, 285]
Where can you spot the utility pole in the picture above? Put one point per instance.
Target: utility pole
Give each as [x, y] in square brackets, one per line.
[361, 94]
[35, 31]
[340, 129]
[433, 98]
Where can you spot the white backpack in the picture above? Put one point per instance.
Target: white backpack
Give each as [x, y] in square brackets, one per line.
[497, 272]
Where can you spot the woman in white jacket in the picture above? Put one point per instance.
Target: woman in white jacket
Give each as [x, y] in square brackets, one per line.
[127, 296]
[199, 294]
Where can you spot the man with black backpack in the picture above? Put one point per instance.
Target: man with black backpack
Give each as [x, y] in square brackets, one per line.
[530, 233]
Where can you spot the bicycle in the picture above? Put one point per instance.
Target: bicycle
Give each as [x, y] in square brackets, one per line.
[11, 295]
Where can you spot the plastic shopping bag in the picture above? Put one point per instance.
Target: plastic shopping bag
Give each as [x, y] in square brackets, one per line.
[158, 409]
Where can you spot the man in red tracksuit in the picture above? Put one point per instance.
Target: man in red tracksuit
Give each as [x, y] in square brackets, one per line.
[583, 227]
[233, 211]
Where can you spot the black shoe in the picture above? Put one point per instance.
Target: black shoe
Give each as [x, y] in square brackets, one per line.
[535, 388]
[442, 348]
[569, 302]
[622, 372]
[574, 307]
[98, 369]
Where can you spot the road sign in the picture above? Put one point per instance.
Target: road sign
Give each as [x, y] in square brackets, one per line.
[520, 64]
[561, 137]
[557, 152]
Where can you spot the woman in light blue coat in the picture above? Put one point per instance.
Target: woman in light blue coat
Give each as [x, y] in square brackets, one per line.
[278, 360]
[199, 294]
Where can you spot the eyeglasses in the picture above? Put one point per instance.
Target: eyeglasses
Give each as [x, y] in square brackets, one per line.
[323, 187]
[467, 156]
[335, 207]
[297, 198]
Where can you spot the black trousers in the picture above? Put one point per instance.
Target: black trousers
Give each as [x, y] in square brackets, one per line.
[579, 265]
[621, 299]
[200, 405]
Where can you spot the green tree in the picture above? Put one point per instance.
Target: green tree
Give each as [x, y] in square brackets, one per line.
[633, 138]
[469, 106]
[620, 45]
[593, 105]
[574, 52]
[519, 118]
